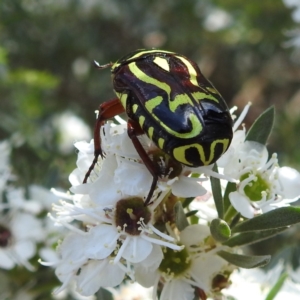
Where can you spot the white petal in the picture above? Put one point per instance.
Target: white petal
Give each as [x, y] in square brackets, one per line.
[212, 264]
[24, 249]
[146, 271]
[187, 187]
[194, 234]
[237, 141]
[76, 177]
[5, 260]
[85, 147]
[177, 289]
[241, 204]
[26, 226]
[137, 249]
[48, 254]
[73, 247]
[133, 179]
[81, 188]
[101, 241]
[290, 181]
[96, 274]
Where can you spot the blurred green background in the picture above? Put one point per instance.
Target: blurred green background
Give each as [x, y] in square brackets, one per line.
[250, 50]
[46, 75]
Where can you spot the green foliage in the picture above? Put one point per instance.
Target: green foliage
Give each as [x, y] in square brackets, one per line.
[45, 69]
[274, 219]
[277, 286]
[245, 261]
[220, 230]
[217, 193]
[262, 127]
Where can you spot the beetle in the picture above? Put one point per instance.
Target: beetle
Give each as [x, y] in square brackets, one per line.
[166, 97]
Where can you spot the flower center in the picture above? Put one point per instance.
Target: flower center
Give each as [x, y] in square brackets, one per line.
[169, 168]
[129, 213]
[255, 187]
[174, 262]
[5, 236]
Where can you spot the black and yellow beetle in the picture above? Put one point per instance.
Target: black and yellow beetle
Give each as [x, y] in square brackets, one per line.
[166, 97]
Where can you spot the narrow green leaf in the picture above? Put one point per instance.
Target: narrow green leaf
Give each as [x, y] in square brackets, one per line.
[217, 193]
[277, 218]
[220, 230]
[180, 218]
[245, 261]
[262, 127]
[191, 213]
[187, 201]
[247, 238]
[230, 187]
[277, 287]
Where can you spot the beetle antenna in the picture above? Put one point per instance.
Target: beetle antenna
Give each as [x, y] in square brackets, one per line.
[98, 66]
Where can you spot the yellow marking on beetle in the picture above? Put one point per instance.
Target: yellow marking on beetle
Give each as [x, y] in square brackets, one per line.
[134, 108]
[137, 55]
[180, 100]
[201, 96]
[196, 129]
[161, 143]
[152, 103]
[141, 121]
[212, 90]
[145, 78]
[150, 132]
[162, 63]
[191, 69]
[179, 152]
[123, 98]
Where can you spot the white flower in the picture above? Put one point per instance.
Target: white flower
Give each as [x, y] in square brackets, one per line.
[118, 231]
[19, 234]
[132, 291]
[263, 186]
[93, 273]
[70, 129]
[195, 266]
[123, 171]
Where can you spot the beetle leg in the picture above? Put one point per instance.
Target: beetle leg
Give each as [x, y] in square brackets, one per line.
[134, 130]
[107, 110]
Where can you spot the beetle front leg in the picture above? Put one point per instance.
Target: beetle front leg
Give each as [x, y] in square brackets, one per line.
[107, 110]
[134, 130]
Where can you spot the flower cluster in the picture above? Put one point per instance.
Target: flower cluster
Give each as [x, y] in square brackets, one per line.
[180, 247]
[20, 228]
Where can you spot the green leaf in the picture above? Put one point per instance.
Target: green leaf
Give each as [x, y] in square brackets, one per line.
[230, 187]
[191, 213]
[245, 261]
[220, 230]
[217, 193]
[262, 127]
[180, 217]
[247, 238]
[277, 218]
[187, 201]
[277, 287]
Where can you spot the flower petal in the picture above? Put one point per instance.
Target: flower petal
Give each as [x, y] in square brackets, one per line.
[177, 289]
[137, 249]
[242, 205]
[187, 187]
[101, 241]
[96, 274]
[290, 182]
